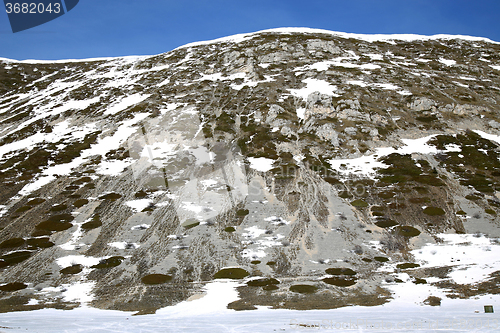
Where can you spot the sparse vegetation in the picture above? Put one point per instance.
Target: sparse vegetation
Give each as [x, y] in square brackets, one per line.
[231, 273]
[153, 279]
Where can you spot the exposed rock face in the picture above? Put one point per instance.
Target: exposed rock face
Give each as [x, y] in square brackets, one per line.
[282, 155]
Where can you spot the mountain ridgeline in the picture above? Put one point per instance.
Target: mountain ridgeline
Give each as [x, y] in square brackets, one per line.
[307, 164]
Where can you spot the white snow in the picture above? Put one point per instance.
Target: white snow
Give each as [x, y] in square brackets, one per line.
[314, 85]
[60, 131]
[125, 103]
[473, 257]
[253, 232]
[62, 61]
[491, 137]
[374, 56]
[276, 220]
[193, 207]
[262, 164]
[365, 37]
[358, 83]
[366, 165]
[495, 67]
[102, 146]
[460, 84]
[140, 227]
[78, 292]
[139, 204]
[257, 246]
[209, 314]
[386, 86]
[447, 62]
[301, 112]
[338, 62]
[33, 302]
[3, 210]
[124, 245]
[218, 294]
[77, 260]
[113, 167]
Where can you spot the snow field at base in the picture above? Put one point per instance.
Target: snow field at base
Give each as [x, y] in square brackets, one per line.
[210, 314]
[473, 257]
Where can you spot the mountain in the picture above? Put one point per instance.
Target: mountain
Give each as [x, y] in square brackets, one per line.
[320, 169]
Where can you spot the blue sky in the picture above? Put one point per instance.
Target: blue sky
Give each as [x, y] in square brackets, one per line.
[102, 28]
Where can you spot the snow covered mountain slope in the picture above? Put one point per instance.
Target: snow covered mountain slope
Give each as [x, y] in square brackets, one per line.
[311, 165]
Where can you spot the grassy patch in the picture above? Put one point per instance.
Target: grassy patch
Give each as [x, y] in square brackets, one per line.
[43, 242]
[153, 279]
[407, 265]
[58, 208]
[109, 262]
[433, 301]
[231, 273]
[262, 282]
[386, 194]
[419, 281]
[359, 203]
[407, 231]
[386, 223]
[80, 202]
[339, 282]
[13, 286]
[140, 194]
[23, 209]
[242, 212]
[270, 287]
[110, 196]
[340, 271]
[419, 200]
[190, 223]
[14, 258]
[303, 289]
[12, 243]
[381, 259]
[93, 224]
[74, 269]
[434, 211]
[490, 211]
[56, 223]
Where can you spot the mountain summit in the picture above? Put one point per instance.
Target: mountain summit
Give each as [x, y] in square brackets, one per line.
[319, 169]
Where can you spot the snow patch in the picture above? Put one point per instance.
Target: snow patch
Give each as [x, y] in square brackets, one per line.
[314, 85]
[139, 205]
[366, 165]
[262, 164]
[126, 102]
[447, 62]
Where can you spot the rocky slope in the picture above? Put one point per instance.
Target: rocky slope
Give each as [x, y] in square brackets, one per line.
[307, 163]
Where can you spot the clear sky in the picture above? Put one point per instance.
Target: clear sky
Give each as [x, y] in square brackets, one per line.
[103, 28]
